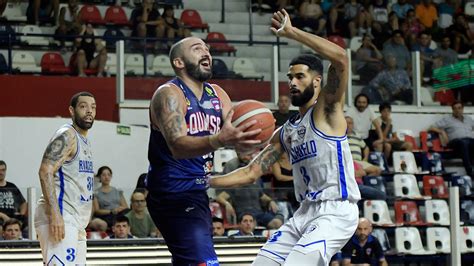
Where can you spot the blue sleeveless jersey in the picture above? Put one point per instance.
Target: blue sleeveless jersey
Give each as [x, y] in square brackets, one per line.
[203, 117]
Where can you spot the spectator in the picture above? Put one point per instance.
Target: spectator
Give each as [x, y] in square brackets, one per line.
[283, 186]
[3, 6]
[12, 230]
[109, 201]
[347, 17]
[446, 10]
[147, 21]
[121, 228]
[379, 12]
[411, 28]
[174, 26]
[401, 8]
[458, 130]
[383, 32]
[283, 113]
[218, 228]
[393, 84]
[249, 199]
[360, 151]
[363, 248]
[369, 60]
[461, 35]
[396, 47]
[427, 14]
[392, 142]
[12, 202]
[87, 46]
[246, 225]
[310, 15]
[427, 55]
[141, 224]
[69, 22]
[363, 118]
[446, 55]
[41, 10]
[141, 184]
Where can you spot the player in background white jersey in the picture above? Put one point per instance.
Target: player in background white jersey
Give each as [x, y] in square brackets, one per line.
[320, 156]
[67, 177]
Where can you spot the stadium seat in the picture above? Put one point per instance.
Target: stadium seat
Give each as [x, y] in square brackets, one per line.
[437, 212]
[337, 40]
[464, 183]
[111, 64]
[220, 69]
[375, 182]
[408, 241]
[246, 68]
[467, 239]
[134, 64]
[25, 62]
[13, 12]
[430, 141]
[7, 31]
[53, 63]
[116, 15]
[404, 162]
[445, 97]
[355, 43]
[408, 136]
[161, 65]
[467, 211]
[406, 186]
[111, 36]
[3, 65]
[219, 44]
[377, 212]
[33, 40]
[407, 213]
[222, 156]
[87, 71]
[377, 158]
[438, 239]
[382, 236]
[192, 20]
[91, 14]
[469, 9]
[435, 187]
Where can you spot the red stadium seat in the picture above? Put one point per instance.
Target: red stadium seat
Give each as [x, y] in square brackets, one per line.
[72, 65]
[406, 212]
[434, 186]
[219, 44]
[430, 141]
[412, 140]
[116, 15]
[445, 97]
[53, 63]
[91, 14]
[192, 19]
[337, 40]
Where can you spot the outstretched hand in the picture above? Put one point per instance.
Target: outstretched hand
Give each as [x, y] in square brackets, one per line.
[281, 23]
[238, 136]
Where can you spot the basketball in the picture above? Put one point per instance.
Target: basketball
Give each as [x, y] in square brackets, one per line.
[248, 110]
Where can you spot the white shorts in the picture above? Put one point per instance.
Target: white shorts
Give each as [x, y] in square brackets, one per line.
[69, 251]
[316, 226]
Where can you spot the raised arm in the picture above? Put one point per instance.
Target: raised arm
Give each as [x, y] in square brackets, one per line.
[62, 147]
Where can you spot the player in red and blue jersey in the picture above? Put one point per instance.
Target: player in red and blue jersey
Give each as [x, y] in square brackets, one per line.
[190, 118]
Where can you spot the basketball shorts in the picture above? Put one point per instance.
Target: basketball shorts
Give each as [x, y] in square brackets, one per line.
[316, 226]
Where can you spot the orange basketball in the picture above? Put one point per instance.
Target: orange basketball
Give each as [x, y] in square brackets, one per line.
[248, 110]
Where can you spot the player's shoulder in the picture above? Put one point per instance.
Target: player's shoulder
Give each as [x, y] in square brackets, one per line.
[219, 90]
[65, 130]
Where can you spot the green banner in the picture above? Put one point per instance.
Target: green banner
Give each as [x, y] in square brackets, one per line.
[454, 76]
[124, 130]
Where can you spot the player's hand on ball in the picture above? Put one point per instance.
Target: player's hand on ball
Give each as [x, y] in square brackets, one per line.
[281, 23]
[56, 227]
[234, 136]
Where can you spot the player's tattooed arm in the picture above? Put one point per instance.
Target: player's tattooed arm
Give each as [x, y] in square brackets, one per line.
[264, 161]
[336, 86]
[169, 111]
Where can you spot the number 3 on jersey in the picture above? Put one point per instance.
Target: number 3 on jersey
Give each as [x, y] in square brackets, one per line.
[90, 183]
[305, 175]
[71, 254]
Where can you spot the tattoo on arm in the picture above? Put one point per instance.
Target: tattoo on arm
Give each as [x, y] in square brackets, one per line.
[59, 148]
[170, 117]
[268, 157]
[333, 81]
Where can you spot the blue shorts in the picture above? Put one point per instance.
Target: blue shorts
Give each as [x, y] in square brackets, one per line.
[184, 220]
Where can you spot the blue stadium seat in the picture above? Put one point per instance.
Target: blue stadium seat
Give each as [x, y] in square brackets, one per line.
[375, 182]
[467, 212]
[111, 36]
[378, 159]
[464, 183]
[3, 65]
[220, 69]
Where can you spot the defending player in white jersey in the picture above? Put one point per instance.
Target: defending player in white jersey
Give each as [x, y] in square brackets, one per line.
[67, 177]
[320, 156]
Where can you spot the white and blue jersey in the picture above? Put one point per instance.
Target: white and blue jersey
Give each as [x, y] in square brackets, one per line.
[322, 165]
[203, 117]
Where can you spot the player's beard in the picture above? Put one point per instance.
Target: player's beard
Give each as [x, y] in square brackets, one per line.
[194, 70]
[304, 97]
[81, 123]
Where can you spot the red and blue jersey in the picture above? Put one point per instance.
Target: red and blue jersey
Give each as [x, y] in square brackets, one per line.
[203, 117]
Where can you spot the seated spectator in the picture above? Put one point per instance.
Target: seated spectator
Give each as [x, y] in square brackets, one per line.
[427, 55]
[363, 248]
[41, 11]
[109, 201]
[401, 8]
[369, 60]
[393, 84]
[366, 192]
[411, 28]
[283, 186]
[347, 17]
[458, 129]
[310, 15]
[246, 225]
[86, 48]
[283, 113]
[396, 47]
[12, 230]
[379, 12]
[174, 27]
[141, 224]
[391, 140]
[69, 22]
[147, 21]
[12, 202]
[249, 199]
[218, 228]
[383, 32]
[446, 55]
[461, 34]
[121, 228]
[427, 14]
[359, 150]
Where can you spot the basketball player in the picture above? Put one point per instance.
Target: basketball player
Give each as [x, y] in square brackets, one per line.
[320, 156]
[187, 125]
[67, 177]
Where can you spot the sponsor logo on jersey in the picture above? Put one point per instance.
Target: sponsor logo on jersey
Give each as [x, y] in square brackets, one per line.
[85, 167]
[209, 91]
[216, 103]
[303, 151]
[188, 103]
[301, 131]
[201, 122]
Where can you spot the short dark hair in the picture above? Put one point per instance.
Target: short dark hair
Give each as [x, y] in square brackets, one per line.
[11, 221]
[217, 220]
[176, 51]
[312, 61]
[395, 32]
[385, 105]
[361, 95]
[121, 219]
[75, 97]
[2, 162]
[102, 169]
[457, 102]
[241, 217]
